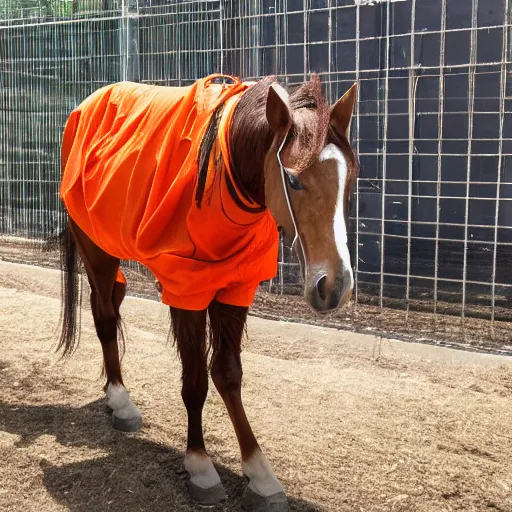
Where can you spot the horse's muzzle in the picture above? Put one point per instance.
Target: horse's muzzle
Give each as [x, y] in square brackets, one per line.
[325, 298]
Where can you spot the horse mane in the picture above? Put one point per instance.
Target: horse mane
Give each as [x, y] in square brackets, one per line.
[205, 150]
[250, 136]
[307, 101]
[250, 139]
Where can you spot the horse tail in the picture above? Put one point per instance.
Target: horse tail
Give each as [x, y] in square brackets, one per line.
[70, 294]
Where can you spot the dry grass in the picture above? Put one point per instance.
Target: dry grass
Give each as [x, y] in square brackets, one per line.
[349, 423]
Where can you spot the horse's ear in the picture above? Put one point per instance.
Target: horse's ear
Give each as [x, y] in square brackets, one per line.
[279, 115]
[341, 112]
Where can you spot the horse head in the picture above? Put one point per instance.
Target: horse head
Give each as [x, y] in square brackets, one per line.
[310, 171]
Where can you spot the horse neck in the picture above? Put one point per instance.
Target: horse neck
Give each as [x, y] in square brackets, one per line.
[275, 198]
[253, 159]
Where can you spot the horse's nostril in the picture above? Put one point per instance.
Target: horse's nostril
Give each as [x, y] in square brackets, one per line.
[321, 287]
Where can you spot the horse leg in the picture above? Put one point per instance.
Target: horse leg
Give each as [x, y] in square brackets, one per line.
[107, 295]
[264, 492]
[189, 329]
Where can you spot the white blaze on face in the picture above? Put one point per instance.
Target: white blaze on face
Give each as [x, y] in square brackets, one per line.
[332, 152]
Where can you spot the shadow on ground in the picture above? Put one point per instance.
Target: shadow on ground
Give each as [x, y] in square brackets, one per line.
[129, 474]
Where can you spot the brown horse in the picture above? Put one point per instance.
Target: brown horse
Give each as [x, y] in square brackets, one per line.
[290, 153]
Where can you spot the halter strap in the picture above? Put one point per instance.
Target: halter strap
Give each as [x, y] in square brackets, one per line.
[288, 200]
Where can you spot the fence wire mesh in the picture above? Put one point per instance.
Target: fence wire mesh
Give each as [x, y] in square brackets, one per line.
[431, 216]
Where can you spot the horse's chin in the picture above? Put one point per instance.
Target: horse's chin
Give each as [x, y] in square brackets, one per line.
[325, 307]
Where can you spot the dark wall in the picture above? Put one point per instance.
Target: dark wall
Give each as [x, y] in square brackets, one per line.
[453, 237]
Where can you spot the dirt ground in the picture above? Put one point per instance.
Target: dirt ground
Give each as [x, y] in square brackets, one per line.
[350, 422]
[476, 333]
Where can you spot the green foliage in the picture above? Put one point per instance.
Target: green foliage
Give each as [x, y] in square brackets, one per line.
[16, 9]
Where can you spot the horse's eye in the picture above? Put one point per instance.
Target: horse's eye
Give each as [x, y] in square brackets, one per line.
[293, 181]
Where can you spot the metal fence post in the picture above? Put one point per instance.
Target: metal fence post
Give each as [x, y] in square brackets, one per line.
[129, 41]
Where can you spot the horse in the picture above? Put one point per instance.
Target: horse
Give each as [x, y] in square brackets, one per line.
[255, 158]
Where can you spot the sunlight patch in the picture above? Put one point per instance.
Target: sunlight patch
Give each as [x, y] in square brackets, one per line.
[57, 454]
[8, 439]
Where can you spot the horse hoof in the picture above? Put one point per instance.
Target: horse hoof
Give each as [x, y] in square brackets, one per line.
[206, 497]
[127, 424]
[253, 502]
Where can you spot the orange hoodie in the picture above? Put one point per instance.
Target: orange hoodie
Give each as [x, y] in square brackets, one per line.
[130, 162]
